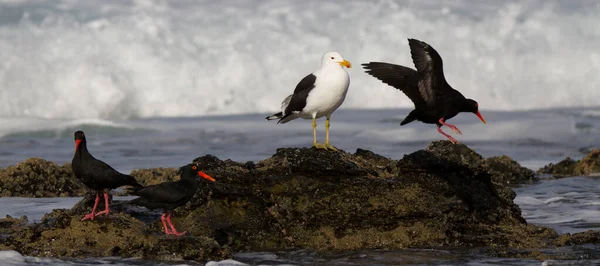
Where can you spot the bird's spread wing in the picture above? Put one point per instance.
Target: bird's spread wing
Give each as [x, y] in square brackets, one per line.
[399, 77]
[167, 192]
[298, 100]
[430, 66]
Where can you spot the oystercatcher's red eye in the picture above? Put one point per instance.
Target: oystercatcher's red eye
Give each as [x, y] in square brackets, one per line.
[477, 105]
[194, 167]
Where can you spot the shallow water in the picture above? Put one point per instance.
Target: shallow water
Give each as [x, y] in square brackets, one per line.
[534, 138]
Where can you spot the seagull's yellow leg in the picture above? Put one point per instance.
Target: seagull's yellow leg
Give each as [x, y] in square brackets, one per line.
[327, 145]
[315, 144]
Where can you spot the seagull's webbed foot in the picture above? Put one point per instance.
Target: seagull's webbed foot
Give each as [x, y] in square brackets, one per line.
[330, 147]
[320, 146]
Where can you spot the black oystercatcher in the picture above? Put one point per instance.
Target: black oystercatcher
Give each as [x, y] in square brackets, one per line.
[96, 174]
[170, 195]
[434, 99]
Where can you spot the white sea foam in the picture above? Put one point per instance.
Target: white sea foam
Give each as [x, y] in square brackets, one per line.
[124, 59]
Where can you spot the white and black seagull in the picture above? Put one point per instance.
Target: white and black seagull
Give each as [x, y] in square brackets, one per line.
[318, 94]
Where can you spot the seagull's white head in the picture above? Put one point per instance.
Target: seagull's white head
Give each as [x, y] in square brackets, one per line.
[335, 58]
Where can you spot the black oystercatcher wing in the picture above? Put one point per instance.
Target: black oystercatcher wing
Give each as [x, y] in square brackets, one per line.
[96, 174]
[434, 99]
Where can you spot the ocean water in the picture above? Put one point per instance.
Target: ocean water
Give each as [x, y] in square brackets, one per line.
[158, 83]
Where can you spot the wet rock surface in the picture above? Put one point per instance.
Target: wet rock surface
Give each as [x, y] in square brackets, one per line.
[589, 165]
[443, 196]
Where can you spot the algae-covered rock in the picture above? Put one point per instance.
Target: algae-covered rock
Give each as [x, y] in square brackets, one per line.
[587, 237]
[508, 171]
[443, 196]
[61, 233]
[588, 165]
[563, 168]
[323, 200]
[39, 178]
[153, 176]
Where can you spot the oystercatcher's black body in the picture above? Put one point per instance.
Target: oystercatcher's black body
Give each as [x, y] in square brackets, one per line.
[96, 174]
[434, 99]
[170, 195]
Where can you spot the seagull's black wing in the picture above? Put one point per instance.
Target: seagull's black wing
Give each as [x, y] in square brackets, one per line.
[399, 77]
[298, 100]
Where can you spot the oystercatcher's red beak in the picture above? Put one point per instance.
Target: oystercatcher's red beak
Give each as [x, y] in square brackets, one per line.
[480, 117]
[77, 142]
[205, 176]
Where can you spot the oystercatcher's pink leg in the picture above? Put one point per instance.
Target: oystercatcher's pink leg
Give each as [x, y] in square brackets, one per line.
[105, 211]
[163, 219]
[447, 136]
[91, 215]
[174, 231]
[453, 127]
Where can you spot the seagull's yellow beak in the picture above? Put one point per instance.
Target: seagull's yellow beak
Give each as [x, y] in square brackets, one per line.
[346, 63]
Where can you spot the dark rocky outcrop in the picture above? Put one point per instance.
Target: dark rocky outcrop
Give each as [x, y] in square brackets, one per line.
[39, 178]
[509, 172]
[444, 196]
[587, 166]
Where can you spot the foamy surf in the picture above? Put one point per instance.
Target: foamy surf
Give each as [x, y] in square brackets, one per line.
[133, 59]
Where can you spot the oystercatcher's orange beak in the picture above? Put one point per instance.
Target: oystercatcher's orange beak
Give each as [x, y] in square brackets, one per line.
[480, 117]
[346, 63]
[77, 142]
[205, 176]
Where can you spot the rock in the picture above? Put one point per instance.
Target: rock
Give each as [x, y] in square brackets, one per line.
[587, 237]
[153, 176]
[61, 233]
[39, 178]
[588, 165]
[443, 196]
[564, 168]
[507, 171]
[328, 201]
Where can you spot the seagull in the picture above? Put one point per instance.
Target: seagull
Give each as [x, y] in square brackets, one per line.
[318, 94]
[434, 99]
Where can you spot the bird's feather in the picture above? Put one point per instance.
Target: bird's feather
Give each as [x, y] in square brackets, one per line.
[400, 77]
[297, 101]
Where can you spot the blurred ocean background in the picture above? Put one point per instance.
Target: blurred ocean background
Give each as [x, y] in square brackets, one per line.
[158, 83]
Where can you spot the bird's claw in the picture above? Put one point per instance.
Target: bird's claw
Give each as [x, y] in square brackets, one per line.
[102, 212]
[88, 216]
[178, 234]
[454, 141]
[455, 129]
